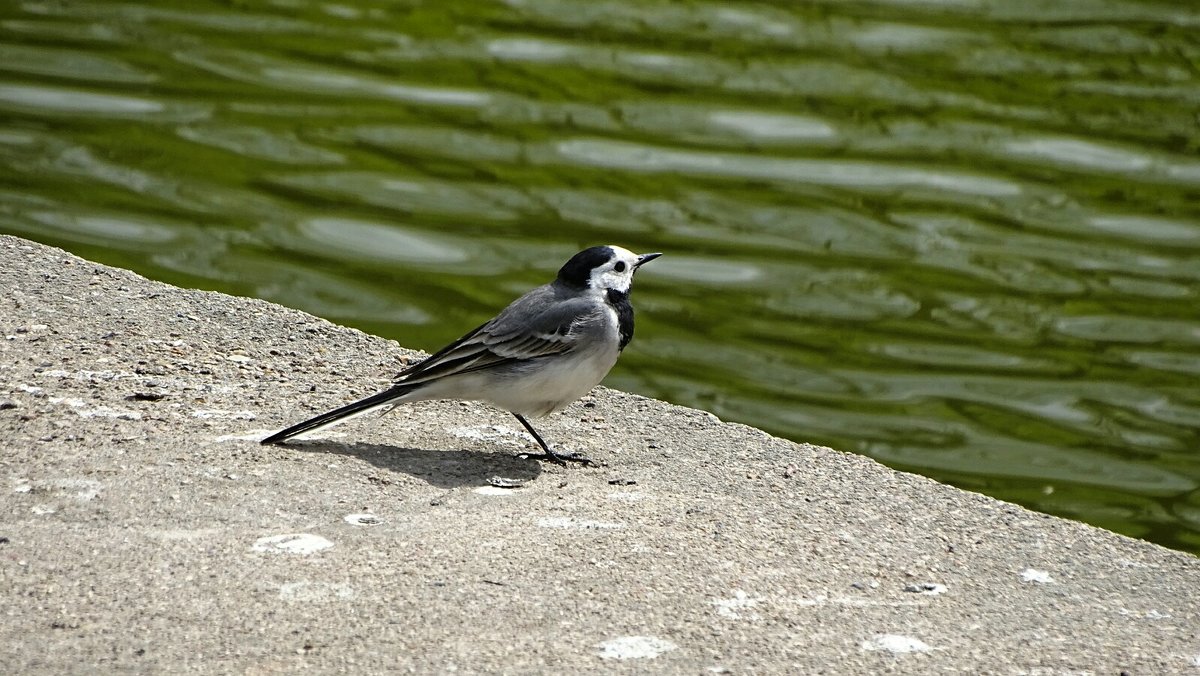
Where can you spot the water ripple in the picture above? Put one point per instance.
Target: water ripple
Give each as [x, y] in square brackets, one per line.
[313, 78]
[365, 240]
[859, 175]
[42, 99]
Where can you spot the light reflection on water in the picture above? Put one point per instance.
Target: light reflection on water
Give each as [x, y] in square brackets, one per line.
[961, 239]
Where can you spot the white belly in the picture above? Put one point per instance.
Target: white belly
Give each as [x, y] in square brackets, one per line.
[552, 387]
[535, 388]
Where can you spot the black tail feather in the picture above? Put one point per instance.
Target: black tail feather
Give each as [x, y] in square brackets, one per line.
[338, 414]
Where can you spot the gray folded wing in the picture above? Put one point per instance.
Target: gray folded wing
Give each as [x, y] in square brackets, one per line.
[537, 324]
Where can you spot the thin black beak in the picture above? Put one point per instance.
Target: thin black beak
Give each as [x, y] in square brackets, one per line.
[645, 258]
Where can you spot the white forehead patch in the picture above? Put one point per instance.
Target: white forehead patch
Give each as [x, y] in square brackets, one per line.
[623, 254]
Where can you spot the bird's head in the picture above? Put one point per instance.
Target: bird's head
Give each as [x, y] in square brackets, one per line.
[603, 268]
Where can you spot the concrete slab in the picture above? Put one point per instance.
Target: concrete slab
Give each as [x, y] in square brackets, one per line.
[144, 529]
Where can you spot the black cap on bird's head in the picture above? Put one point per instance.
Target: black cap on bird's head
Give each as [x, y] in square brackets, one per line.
[578, 270]
[603, 266]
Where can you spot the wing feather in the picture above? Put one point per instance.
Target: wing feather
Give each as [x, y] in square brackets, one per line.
[537, 324]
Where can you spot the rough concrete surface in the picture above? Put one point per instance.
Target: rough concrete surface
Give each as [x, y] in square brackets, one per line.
[144, 529]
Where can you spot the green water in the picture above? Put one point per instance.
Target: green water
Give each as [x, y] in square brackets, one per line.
[962, 237]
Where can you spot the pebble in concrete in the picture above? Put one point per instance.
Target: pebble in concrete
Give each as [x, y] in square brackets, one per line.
[927, 588]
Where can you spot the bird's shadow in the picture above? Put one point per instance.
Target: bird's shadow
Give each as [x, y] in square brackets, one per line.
[443, 469]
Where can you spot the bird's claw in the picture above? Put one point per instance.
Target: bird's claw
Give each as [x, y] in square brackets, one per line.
[560, 458]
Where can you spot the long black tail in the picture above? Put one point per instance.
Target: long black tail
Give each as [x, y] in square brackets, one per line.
[342, 414]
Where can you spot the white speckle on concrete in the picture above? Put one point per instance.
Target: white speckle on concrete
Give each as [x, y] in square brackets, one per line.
[105, 412]
[238, 358]
[292, 543]
[740, 607]
[42, 510]
[184, 533]
[1195, 660]
[498, 433]
[493, 490]
[634, 647]
[315, 592]
[362, 519]
[98, 412]
[1130, 563]
[1148, 615]
[505, 482]
[927, 588]
[29, 389]
[228, 415]
[1037, 576]
[252, 435]
[85, 375]
[849, 602]
[571, 522]
[627, 496]
[467, 433]
[895, 644]
[81, 490]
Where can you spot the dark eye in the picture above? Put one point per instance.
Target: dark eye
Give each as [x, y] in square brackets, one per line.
[620, 266]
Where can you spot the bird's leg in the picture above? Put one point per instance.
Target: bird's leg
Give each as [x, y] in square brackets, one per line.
[549, 453]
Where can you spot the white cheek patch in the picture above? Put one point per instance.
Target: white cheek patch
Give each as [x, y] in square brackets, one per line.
[620, 282]
[610, 279]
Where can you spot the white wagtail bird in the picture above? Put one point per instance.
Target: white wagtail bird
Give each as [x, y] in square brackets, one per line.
[542, 352]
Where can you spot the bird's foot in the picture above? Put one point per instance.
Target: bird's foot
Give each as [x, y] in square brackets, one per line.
[549, 454]
[560, 458]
